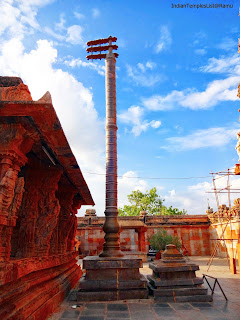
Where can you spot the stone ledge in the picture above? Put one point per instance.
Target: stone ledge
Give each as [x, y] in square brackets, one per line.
[163, 267]
[175, 282]
[95, 262]
[17, 268]
[111, 284]
[36, 302]
[112, 295]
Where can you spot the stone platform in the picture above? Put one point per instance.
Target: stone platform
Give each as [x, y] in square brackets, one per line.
[109, 279]
[174, 279]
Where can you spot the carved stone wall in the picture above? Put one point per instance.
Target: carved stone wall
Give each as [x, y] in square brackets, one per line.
[15, 143]
[41, 188]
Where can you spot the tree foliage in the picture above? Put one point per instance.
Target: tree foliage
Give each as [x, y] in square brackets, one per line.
[159, 240]
[149, 201]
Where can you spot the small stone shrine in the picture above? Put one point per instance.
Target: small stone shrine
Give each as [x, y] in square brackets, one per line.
[174, 279]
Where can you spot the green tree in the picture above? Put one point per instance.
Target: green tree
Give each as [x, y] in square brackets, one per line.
[172, 211]
[149, 201]
[159, 240]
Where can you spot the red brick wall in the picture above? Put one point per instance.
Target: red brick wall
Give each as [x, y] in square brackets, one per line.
[192, 230]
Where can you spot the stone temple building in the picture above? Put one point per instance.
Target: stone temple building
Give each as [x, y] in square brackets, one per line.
[41, 189]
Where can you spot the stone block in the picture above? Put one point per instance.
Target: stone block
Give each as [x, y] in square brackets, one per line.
[111, 284]
[161, 267]
[95, 262]
[111, 279]
[173, 292]
[174, 283]
[112, 295]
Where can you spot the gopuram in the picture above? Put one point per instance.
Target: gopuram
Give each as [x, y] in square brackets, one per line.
[110, 276]
[41, 189]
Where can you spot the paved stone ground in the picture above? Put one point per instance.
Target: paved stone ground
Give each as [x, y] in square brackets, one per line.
[219, 309]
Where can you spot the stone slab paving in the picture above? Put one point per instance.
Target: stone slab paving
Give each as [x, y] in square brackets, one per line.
[147, 309]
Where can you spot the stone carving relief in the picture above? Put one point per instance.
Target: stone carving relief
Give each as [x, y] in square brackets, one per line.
[18, 194]
[49, 209]
[7, 189]
[16, 93]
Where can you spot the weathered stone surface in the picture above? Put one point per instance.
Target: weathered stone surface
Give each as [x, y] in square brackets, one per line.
[171, 267]
[159, 282]
[10, 81]
[111, 279]
[175, 282]
[86, 284]
[41, 189]
[110, 263]
[193, 231]
[36, 291]
[111, 295]
[122, 274]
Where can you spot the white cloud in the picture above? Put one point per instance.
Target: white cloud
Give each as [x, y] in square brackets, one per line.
[61, 24]
[155, 124]
[134, 117]
[54, 34]
[75, 34]
[78, 15]
[95, 13]
[141, 74]
[200, 52]
[162, 103]
[227, 44]
[72, 101]
[128, 183]
[18, 17]
[91, 65]
[164, 41]
[204, 138]
[195, 198]
[216, 91]
[229, 65]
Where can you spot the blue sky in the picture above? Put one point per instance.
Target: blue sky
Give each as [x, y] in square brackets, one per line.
[177, 76]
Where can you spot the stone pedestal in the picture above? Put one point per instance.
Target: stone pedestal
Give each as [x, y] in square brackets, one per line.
[174, 279]
[109, 279]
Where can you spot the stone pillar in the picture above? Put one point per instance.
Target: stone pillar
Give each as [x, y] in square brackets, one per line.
[141, 239]
[111, 247]
[111, 276]
[12, 157]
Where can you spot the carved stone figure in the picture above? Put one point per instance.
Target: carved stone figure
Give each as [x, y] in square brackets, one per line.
[7, 187]
[18, 194]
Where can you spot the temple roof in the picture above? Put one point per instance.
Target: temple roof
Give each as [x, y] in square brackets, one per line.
[17, 106]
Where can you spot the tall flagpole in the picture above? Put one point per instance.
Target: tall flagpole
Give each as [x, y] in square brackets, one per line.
[111, 246]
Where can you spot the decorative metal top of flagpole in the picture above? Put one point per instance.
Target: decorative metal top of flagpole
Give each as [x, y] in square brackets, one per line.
[111, 246]
[96, 46]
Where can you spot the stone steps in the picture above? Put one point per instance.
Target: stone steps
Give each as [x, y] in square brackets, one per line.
[157, 282]
[199, 290]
